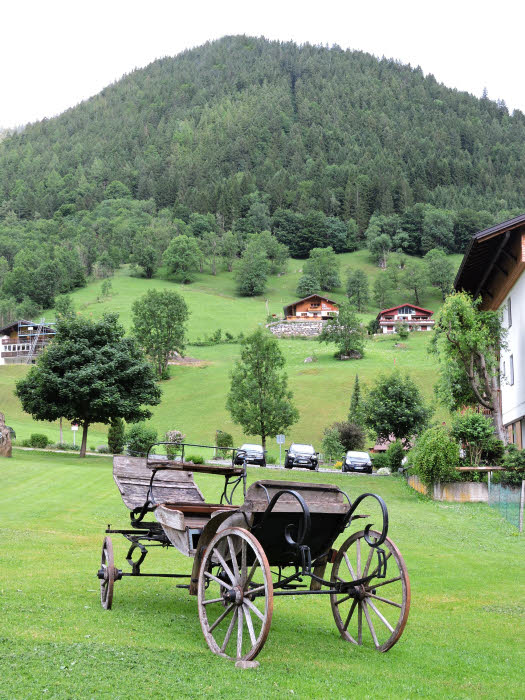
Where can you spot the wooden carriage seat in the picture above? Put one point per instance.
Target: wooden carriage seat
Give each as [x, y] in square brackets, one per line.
[132, 476]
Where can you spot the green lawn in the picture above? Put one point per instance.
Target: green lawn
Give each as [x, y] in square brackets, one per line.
[464, 637]
[194, 398]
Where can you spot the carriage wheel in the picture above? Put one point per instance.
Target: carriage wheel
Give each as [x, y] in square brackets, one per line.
[235, 595]
[379, 609]
[107, 574]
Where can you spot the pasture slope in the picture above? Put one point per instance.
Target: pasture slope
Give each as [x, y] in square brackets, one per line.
[464, 636]
[194, 398]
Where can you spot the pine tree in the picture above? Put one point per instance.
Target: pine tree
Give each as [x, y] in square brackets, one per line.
[354, 414]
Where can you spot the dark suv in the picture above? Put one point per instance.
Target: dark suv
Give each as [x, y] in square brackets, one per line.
[301, 456]
[253, 454]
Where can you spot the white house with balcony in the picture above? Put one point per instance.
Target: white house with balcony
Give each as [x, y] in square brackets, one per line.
[416, 318]
[493, 268]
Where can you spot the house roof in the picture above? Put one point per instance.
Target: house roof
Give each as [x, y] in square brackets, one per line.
[482, 253]
[23, 322]
[310, 296]
[400, 306]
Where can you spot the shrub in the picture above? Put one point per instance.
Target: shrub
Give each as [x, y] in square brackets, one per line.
[176, 438]
[138, 439]
[435, 457]
[38, 440]
[271, 459]
[67, 446]
[514, 461]
[402, 330]
[104, 449]
[381, 461]
[116, 435]
[351, 435]
[196, 459]
[384, 471]
[331, 445]
[223, 439]
[475, 432]
[395, 454]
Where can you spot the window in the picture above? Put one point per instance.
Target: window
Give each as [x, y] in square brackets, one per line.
[509, 313]
[511, 369]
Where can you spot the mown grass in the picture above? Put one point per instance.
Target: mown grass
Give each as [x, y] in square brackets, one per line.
[464, 636]
[194, 398]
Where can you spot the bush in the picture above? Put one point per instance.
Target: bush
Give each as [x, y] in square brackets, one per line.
[38, 440]
[67, 446]
[104, 450]
[381, 461]
[138, 439]
[351, 435]
[271, 459]
[475, 432]
[196, 459]
[116, 435]
[514, 461]
[223, 439]
[395, 454]
[383, 471]
[435, 457]
[176, 437]
[331, 445]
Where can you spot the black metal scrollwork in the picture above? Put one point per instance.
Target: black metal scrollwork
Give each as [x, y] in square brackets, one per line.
[304, 526]
[384, 510]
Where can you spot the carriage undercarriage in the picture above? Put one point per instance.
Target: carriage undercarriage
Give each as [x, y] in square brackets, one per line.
[279, 542]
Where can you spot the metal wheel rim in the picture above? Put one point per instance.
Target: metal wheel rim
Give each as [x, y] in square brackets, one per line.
[107, 566]
[370, 616]
[238, 577]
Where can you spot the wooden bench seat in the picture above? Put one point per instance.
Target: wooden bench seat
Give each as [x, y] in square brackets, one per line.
[133, 477]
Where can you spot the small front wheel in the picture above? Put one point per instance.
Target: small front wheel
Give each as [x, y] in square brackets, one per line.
[106, 574]
[235, 595]
[378, 609]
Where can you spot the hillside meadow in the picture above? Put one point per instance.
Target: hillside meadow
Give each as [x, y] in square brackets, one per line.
[194, 397]
[463, 639]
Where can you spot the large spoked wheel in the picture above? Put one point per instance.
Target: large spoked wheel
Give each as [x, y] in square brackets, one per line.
[235, 595]
[107, 574]
[376, 611]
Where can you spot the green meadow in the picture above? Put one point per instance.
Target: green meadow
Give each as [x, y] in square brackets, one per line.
[194, 397]
[464, 636]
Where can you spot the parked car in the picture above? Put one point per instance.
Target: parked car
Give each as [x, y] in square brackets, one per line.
[357, 462]
[301, 456]
[253, 454]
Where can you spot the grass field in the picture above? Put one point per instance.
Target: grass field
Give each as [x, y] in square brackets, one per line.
[464, 637]
[194, 398]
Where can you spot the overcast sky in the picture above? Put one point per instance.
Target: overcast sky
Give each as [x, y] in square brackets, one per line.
[54, 54]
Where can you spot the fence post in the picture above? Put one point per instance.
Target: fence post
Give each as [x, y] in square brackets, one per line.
[522, 501]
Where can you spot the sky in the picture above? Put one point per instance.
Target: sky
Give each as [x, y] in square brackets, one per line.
[54, 54]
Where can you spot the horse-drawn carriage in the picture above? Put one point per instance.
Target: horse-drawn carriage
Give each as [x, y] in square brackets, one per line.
[276, 543]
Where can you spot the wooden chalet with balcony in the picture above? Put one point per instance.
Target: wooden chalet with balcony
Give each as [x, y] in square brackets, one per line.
[21, 341]
[416, 318]
[313, 307]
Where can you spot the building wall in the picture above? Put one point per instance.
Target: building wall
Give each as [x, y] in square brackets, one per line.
[513, 394]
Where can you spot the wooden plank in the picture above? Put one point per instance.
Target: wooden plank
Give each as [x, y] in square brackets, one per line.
[222, 470]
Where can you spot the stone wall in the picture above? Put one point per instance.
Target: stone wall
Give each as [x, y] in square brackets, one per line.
[305, 329]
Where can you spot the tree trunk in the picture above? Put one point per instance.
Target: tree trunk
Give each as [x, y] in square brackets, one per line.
[263, 441]
[61, 435]
[84, 439]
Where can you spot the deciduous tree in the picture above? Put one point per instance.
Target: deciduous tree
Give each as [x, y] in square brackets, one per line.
[259, 398]
[345, 331]
[158, 325]
[468, 342]
[90, 373]
[395, 406]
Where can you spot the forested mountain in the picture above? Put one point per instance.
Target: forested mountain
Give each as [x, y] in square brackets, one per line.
[246, 147]
[310, 127]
